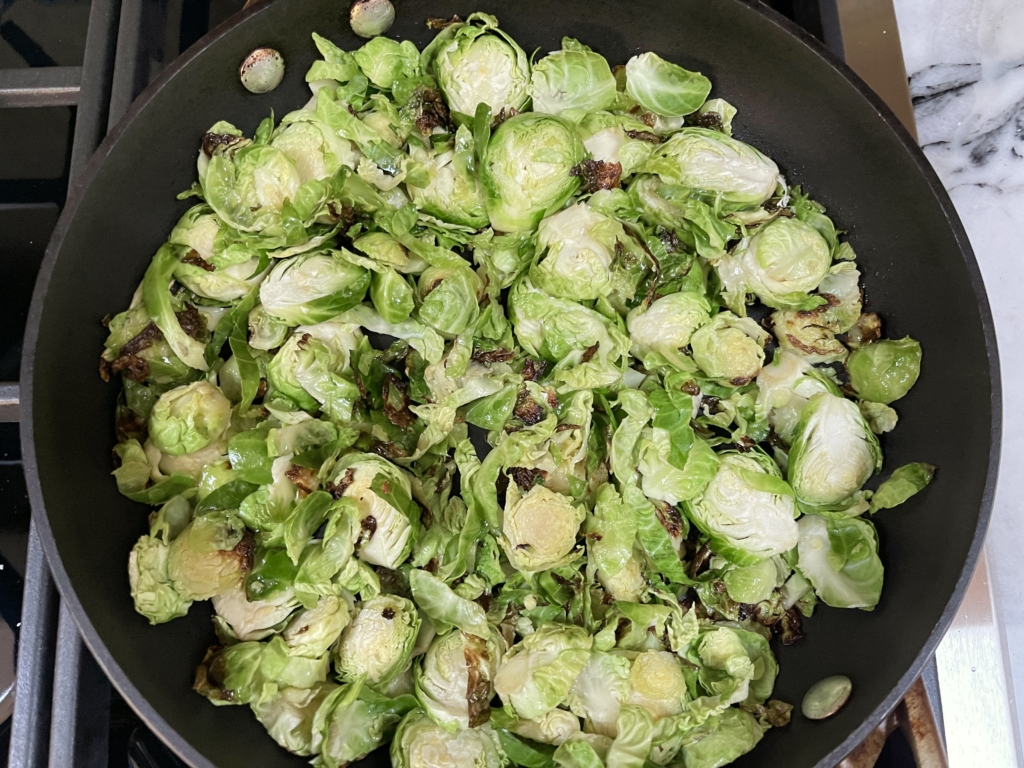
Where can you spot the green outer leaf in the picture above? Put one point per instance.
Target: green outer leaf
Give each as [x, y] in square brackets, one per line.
[164, 490]
[157, 296]
[307, 516]
[250, 459]
[901, 485]
[654, 538]
[665, 88]
[445, 608]
[525, 753]
[227, 496]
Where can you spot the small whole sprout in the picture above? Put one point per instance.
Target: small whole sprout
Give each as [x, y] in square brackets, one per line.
[370, 18]
[262, 70]
[186, 419]
[378, 643]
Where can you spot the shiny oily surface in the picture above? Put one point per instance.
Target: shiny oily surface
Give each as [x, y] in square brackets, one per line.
[262, 70]
[826, 697]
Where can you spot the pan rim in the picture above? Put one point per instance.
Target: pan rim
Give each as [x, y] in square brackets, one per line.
[120, 680]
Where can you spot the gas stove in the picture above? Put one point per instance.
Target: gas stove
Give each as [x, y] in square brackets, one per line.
[68, 70]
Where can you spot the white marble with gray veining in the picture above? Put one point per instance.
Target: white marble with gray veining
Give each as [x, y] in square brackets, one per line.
[965, 59]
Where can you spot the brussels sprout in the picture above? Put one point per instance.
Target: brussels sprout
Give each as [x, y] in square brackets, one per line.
[453, 193]
[581, 249]
[720, 740]
[657, 683]
[695, 223]
[885, 371]
[354, 721]
[566, 333]
[785, 386]
[833, 452]
[584, 750]
[842, 284]
[186, 419]
[599, 690]
[808, 333]
[313, 630]
[313, 287]
[554, 727]
[667, 326]
[574, 79]
[717, 166]
[734, 664]
[881, 418]
[210, 556]
[288, 717]
[613, 138]
[730, 349]
[449, 299]
[384, 249]
[383, 495]
[752, 584]
[201, 230]
[783, 262]
[248, 185]
[153, 591]
[252, 620]
[384, 60]
[370, 18]
[391, 295]
[378, 643]
[476, 63]
[317, 151]
[228, 284]
[611, 533]
[673, 462]
[539, 670]
[526, 170]
[309, 369]
[665, 88]
[540, 527]
[421, 743]
[454, 678]
[629, 584]
[747, 510]
[839, 556]
[265, 331]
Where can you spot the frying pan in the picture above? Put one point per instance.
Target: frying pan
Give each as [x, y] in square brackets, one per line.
[796, 102]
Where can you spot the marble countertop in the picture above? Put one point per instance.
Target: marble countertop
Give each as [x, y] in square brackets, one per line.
[965, 60]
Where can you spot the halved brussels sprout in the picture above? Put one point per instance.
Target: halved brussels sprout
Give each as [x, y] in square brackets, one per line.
[476, 63]
[210, 556]
[885, 371]
[453, 193]
[153, 591]
[752, 584]
[833, 453]
[539, 670]
[665, 88]
[730, 349]
[614, 138]
[667, 326]
[265, 331]
[309, 369]
[354, 721]
[657, 683]
[715, 165]
[313, 630]
[839, 556]
[781, 264]
[454, 679]
[722, 739]
[289, 714]
[317, 151]
[378, 643]
[583, 254]
[383, 495]
[574, 79]
[189, 418]
[313, 287]
[526, 170]
[785, 386]
[449, 299]
[735, 665]
[227, 284]
[540, 527]
[747, 510]
[252, 619]
[599, 690]
[248, 185]
[421, 743]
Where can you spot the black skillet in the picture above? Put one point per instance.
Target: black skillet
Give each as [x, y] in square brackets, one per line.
[796, 103]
